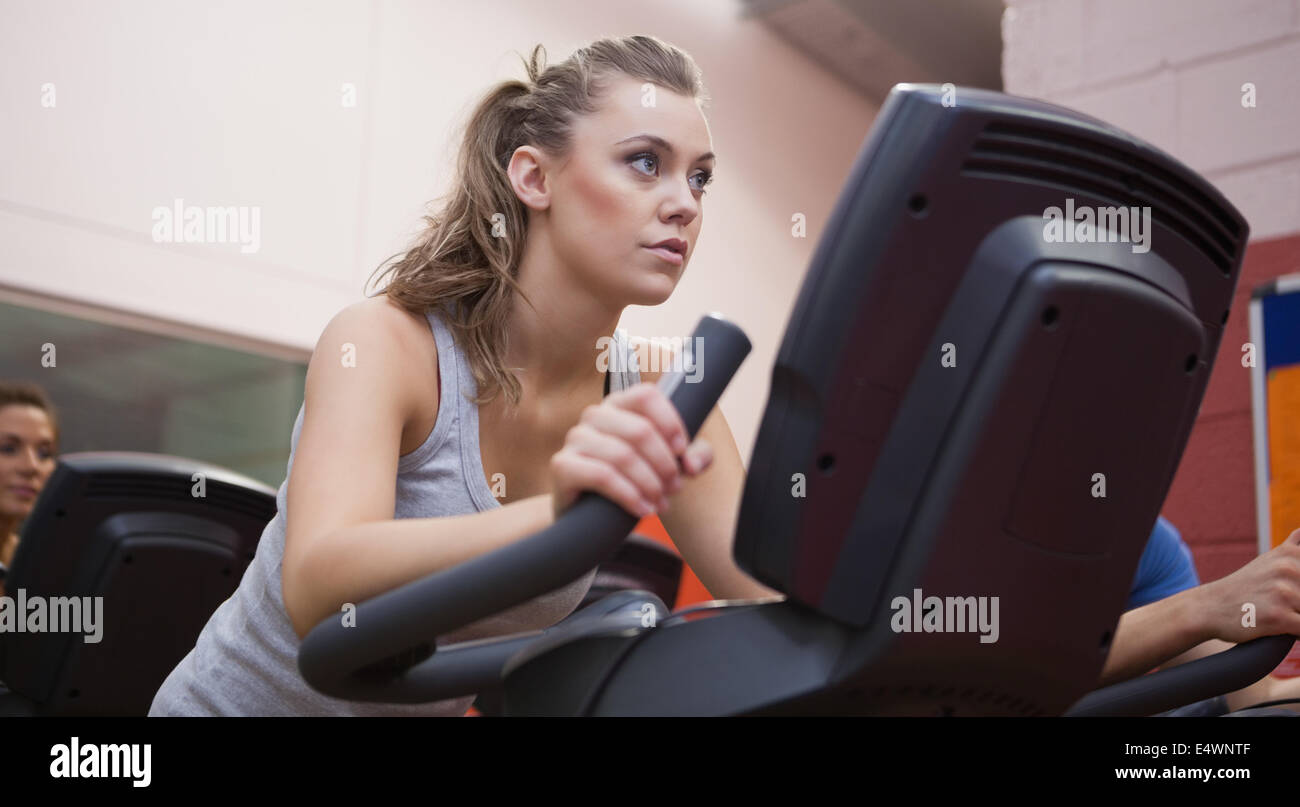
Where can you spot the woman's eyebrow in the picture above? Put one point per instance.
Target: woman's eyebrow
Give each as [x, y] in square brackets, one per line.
[663, 144]
[19, 438]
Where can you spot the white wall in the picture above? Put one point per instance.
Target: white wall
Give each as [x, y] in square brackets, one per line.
[239, 103]
[1171, 72]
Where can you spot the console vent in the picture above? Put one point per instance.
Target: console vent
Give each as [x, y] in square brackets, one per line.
[1083, 166]
[145, 485]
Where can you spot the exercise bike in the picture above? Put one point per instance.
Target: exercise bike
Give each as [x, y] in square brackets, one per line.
[975, 400]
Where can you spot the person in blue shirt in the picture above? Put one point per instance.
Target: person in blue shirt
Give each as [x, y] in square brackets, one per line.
[1166, 567]
[1171, 618]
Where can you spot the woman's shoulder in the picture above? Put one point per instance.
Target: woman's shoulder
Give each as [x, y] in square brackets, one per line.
[383, 314]
[386, 324]
[382, 333]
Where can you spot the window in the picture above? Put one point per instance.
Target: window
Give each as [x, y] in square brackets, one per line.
[122, 389]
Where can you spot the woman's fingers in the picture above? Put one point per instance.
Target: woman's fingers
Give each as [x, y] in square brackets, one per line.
[698, 457]
[641, 433]
[622, 456]
[632, 448]
[581, 472]
[649, 401]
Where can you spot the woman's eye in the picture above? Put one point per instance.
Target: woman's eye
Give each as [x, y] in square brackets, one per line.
[707, 177]
[43, 453]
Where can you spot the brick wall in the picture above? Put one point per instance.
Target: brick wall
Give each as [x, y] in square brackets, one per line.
[1171, 72]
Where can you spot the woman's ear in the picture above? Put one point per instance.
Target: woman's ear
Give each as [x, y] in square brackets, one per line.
[527, 173]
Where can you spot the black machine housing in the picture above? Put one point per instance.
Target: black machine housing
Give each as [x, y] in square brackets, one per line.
[961, 408]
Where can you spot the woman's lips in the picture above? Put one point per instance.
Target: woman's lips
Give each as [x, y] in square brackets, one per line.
[674, 258]
[24, 492]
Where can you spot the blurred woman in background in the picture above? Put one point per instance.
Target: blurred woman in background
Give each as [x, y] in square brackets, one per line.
[29, 440]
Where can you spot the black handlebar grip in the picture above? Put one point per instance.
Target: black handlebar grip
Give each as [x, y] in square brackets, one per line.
[372, 659]
[1207, 677]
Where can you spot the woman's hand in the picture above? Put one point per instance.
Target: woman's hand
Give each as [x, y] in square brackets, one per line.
[628, 449]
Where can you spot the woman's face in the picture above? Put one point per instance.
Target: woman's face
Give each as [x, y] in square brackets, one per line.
[622, 190]
[26, 457]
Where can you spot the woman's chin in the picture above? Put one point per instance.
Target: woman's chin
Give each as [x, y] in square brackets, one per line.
[654, 291]
[18, 510]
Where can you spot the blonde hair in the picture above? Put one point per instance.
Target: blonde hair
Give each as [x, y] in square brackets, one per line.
[457, 264]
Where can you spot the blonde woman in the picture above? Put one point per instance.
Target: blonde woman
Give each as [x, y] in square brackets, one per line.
[463, 408]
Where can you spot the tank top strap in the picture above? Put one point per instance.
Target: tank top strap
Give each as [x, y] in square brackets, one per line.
[627, 373]
[448, 391]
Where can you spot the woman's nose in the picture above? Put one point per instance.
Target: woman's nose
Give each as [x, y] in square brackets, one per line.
[29, 463]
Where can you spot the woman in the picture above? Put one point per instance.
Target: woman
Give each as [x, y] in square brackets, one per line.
[29, 440]
[462, 409]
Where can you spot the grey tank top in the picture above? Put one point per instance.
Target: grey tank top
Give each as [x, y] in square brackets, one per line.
[245, 661]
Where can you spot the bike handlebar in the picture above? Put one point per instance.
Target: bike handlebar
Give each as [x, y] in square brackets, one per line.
[374, 659]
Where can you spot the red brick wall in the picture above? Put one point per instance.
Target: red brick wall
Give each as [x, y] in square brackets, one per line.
[1212, 500]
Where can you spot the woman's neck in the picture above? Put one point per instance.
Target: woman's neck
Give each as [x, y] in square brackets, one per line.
[555, 332]
[557, 350]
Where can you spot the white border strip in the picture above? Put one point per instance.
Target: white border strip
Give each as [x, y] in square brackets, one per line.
[1259, 422]
[140, 322]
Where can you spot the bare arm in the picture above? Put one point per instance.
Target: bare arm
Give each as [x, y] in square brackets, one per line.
[703, 515]
[342, 543]
[1151, 635]
[1261, 598]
